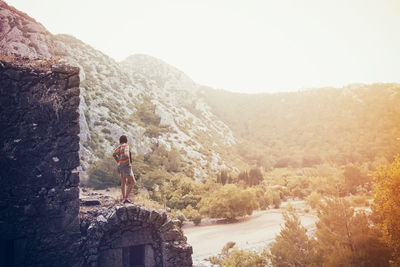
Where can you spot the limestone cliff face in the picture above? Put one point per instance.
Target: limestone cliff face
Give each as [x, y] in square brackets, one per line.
[111, 92]
[21, 34]
[39, 121]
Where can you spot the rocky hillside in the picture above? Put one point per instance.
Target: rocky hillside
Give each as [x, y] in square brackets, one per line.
[152, 102]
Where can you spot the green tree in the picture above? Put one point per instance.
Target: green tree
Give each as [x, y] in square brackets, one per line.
[255, 176]
[239, 257]
[244, 176]
[292, 247]
[192, 214]
[222, 177]
[263, 195]
[387, 205]
[314, 200]
[346, 238]
[153, 179]
[228, 201]
[174, 160]
[352, 178]
[231, 256]
[181, 191]
[104, 174]
[276, 200]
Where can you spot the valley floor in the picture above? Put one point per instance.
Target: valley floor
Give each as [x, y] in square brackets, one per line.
[254, 232]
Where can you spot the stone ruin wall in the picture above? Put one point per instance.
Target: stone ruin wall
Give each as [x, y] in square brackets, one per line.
[109, 235]
[39, 141]
[40, 224]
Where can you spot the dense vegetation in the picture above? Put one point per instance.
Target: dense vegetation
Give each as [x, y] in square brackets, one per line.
[343, 236]
[356, 124]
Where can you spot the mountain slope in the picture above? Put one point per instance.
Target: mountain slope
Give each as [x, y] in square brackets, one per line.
[22, 35]
[355, 124]
[153, 103]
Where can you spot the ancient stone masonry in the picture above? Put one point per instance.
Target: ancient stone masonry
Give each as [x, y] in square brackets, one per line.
[131, 235]
[39, 122]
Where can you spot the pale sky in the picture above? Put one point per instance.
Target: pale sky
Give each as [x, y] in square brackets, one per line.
[243, 46]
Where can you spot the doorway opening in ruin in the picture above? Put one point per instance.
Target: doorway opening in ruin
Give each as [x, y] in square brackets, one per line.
[134, 256]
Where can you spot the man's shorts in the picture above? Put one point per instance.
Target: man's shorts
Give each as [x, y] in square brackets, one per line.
[125, 171]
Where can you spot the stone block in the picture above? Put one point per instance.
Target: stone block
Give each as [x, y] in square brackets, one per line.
[161, 220]
[113, 219]
[154, 217]
[71, 92]
[122, 214]
[69, 161]
[69, 194]
[89, 202]
[14, 74]
[74, 179]
[172, 234]
[143, 215]
[73, 81]
[133, 212]
[168, 225]
[131, 238]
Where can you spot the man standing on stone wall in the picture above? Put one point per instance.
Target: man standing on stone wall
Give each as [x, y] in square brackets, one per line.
[122, 157]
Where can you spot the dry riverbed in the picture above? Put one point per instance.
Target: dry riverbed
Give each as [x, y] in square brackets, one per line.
[253, 232]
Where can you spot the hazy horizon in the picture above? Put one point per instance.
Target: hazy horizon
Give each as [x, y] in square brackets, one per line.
[248, 47]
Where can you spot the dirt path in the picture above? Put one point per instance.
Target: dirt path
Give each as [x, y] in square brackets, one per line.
[253, 233]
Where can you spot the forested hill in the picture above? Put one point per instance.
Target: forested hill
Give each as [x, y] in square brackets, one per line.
[354, 124]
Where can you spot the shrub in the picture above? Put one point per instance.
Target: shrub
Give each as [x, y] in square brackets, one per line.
[180, 216]
[146, 113]
[152, 131]
[346, 238]
[197, 219]
[276, 200]
[106, 131]
[180, 192]
[264, 196]
[103, 174]
[240, 257]
[314, 200]
[229, 201]
[231, 256]
[192, 214]
[292, 247]
[152, 179]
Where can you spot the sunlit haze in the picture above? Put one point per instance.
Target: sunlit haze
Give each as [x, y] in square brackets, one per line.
[245, 46]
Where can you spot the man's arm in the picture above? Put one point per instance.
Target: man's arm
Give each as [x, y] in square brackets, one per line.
[116, 154]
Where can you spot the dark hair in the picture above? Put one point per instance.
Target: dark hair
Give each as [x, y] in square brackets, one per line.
[123, 139]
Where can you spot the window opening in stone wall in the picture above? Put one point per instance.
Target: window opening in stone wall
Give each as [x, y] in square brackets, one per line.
[134, 256]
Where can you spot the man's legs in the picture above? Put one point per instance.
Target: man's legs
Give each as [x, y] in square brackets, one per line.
[123, 183]
[130, 186]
